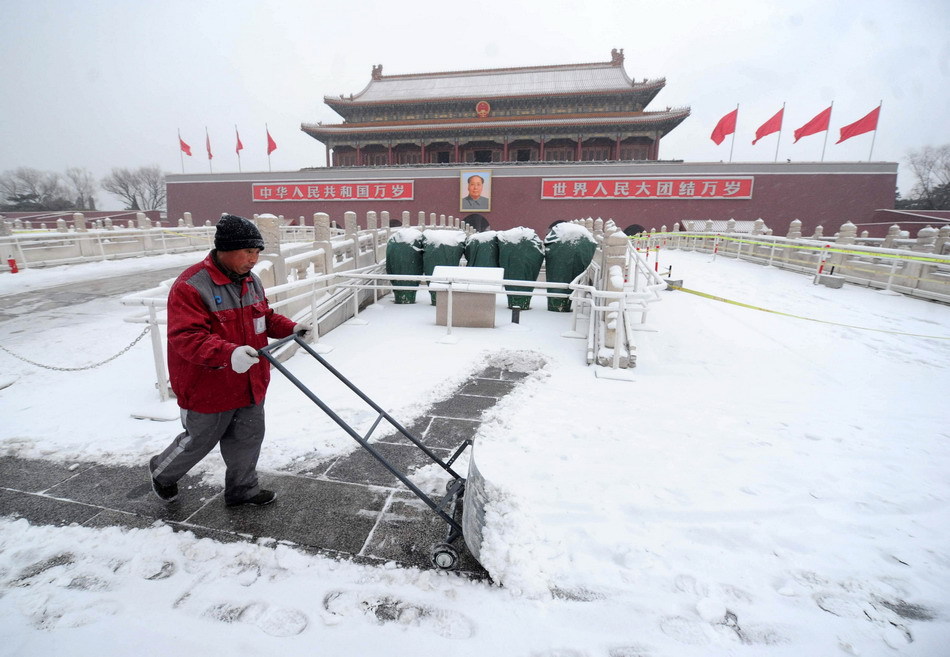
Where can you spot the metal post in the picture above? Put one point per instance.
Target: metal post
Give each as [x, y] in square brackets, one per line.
[158, 354]
[448, 312]
[618, 331]
[890, 277]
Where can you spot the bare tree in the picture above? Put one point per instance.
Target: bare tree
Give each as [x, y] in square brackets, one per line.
[125, 184]
[31, 189]
[141, 189]
[931, 169]
[83, 187]
[152, 187]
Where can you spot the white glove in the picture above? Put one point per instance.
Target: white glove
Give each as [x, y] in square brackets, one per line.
[243, 358]
[304, 330]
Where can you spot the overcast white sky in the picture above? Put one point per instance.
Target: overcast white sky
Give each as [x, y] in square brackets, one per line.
[108, 83]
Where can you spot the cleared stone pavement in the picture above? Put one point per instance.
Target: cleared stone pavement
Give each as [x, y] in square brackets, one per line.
[349, 506]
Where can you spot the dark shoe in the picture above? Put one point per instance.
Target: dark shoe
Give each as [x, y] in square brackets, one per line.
[263, 498]
[167, 493]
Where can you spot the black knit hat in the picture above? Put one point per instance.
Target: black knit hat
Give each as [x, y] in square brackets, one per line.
[234, 233]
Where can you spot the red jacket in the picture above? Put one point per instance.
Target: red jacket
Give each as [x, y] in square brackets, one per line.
[209, 316]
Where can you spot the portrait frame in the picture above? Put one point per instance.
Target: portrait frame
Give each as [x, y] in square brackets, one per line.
[466, 203]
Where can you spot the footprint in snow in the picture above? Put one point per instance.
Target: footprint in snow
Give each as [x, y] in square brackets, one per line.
[47, 613]
[275, 621]
[385, 609]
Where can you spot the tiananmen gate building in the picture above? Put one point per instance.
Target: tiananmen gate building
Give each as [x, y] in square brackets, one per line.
[530, 146]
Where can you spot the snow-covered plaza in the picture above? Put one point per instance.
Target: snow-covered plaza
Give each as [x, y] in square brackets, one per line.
[765, 485]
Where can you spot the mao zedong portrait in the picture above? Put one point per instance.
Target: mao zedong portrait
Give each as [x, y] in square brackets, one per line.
[476, 200]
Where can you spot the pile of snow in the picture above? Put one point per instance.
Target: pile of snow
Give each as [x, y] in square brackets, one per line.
[568, 232]
[444, 237]
[518, 234]
[407, 235]
[484, 236]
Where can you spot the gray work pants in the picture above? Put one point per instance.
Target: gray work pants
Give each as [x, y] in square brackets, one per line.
[239, 432]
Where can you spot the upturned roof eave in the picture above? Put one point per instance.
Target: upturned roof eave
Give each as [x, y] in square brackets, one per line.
[665, 120]
[650, 88]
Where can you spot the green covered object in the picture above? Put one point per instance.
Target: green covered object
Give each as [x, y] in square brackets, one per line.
[404, 257]
[481, 249]
[520, 254]
[568, 250]
[441, 247]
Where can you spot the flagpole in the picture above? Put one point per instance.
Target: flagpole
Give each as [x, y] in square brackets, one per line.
[267, 130]
[208, 145]
[733, 144]
[237, 150]
[780, 127]
[879, 105]
[827, 130]
[181, 154]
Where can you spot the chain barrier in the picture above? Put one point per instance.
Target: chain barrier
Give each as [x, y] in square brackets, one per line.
[78, 369]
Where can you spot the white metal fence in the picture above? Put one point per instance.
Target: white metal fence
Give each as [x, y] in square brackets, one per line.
[917, 267]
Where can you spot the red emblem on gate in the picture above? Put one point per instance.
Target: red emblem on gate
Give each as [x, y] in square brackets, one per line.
[482, 109]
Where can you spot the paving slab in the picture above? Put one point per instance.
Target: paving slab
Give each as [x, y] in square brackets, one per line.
[496, 388]
[492, 372]
[313, 512]
[362, 467]
[113, 518]
[130, 490]
[449, 433]
[407, 531]
[36, 475]
[44, 510]
[467, 407]
[417, 427]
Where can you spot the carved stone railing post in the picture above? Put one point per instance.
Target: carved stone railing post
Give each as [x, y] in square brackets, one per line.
[794, 229]
[351, 228]
[893, 234]
[615, 256]
[269, 225]
[323, 236]
[943, 239]
[847, 234]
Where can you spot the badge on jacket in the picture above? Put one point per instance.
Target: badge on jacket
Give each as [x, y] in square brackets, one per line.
[260, 324]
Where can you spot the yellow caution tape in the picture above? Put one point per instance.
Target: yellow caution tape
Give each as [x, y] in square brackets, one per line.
[809, 319]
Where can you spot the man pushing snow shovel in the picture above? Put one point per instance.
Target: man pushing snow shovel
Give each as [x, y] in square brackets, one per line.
[218, 317]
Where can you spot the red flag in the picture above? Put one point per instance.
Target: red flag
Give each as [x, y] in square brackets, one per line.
[772, 125]
[185, 148]
[817, 124]
[208, 144]
[271, 144]
[726, 126]
[866, 123]
[240, 146]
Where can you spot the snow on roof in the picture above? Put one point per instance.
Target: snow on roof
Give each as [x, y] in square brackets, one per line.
[529, 81]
